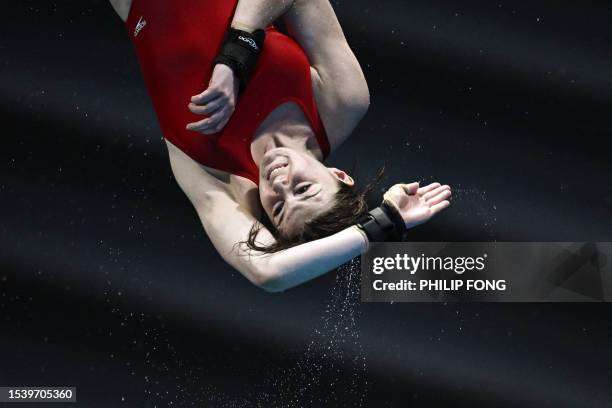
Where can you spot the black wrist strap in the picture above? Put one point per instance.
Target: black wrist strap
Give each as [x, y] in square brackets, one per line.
[383, 224]
[240, 51]
[396, 218]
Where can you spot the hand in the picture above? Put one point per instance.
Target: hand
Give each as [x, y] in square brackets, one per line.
[417, 205]
[217, 101]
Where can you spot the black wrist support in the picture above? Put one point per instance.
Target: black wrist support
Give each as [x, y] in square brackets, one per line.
[240, 51]
[383, 224]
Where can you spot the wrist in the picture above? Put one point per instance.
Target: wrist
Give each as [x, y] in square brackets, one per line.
[365, 242]
[240, 51]
[224, 70]
[239, 25]
[383, 224]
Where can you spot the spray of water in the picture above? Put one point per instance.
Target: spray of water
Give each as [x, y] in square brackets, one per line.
[332, 369]
[329, 371]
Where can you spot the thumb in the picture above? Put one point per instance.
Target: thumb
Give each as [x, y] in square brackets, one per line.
[411, 188]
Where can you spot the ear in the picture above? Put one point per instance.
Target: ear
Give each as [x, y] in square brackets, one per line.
[342, 176]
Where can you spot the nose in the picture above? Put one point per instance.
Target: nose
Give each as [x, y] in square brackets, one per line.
[280, 183]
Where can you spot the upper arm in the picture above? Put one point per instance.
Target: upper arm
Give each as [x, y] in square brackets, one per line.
[122, 7]
[340, 87]
[227, 222]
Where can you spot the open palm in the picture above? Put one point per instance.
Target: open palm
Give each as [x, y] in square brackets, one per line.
[417, 204]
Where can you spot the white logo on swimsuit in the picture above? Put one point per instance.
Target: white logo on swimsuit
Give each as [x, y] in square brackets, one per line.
[249, 41]
[140, 25]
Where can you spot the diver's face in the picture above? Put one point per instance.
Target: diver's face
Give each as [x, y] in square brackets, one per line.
[295, 187]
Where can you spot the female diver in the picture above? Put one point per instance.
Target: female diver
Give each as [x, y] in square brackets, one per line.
[249, 114]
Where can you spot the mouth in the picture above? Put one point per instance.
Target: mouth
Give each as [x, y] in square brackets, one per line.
[274, 170]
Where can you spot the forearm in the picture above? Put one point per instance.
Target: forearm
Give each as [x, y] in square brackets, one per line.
[254, 14]
[228, 224]
[307, 261]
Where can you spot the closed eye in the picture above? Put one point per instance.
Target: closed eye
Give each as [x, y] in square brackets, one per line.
[277, 208]
[302, 189]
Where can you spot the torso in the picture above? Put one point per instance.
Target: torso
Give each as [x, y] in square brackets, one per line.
[286, 114]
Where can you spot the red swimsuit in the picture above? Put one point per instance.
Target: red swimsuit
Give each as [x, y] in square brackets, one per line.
[176, 43]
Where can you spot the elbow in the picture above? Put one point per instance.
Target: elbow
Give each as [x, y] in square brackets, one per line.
[363, 103]
[269, 281]
[361, 97]
[364, 94]
[272, 287]
[360, 103]
[270, 284]
[357, 100]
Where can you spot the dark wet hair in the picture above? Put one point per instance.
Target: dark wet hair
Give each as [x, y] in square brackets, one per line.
[349, 206]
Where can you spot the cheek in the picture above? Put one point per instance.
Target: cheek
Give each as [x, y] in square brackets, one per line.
[266, 200]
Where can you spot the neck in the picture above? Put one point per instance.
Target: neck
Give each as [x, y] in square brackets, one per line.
[289, 132]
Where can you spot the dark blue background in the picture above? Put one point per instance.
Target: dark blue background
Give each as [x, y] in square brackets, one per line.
[103, 259]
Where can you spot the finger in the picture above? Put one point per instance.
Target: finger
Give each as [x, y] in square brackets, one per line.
[216, 128]
[439, 207]
[208, 95]
[217, 117]
[196, 126]
[411, 188]
[439, 198]
[428, 188]
[220, 119]
[435, 192]
[210, 107]
[204, 124]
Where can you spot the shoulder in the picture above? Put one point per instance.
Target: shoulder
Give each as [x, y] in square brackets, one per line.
[339, 86]
[206, 187]
[342, 100]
